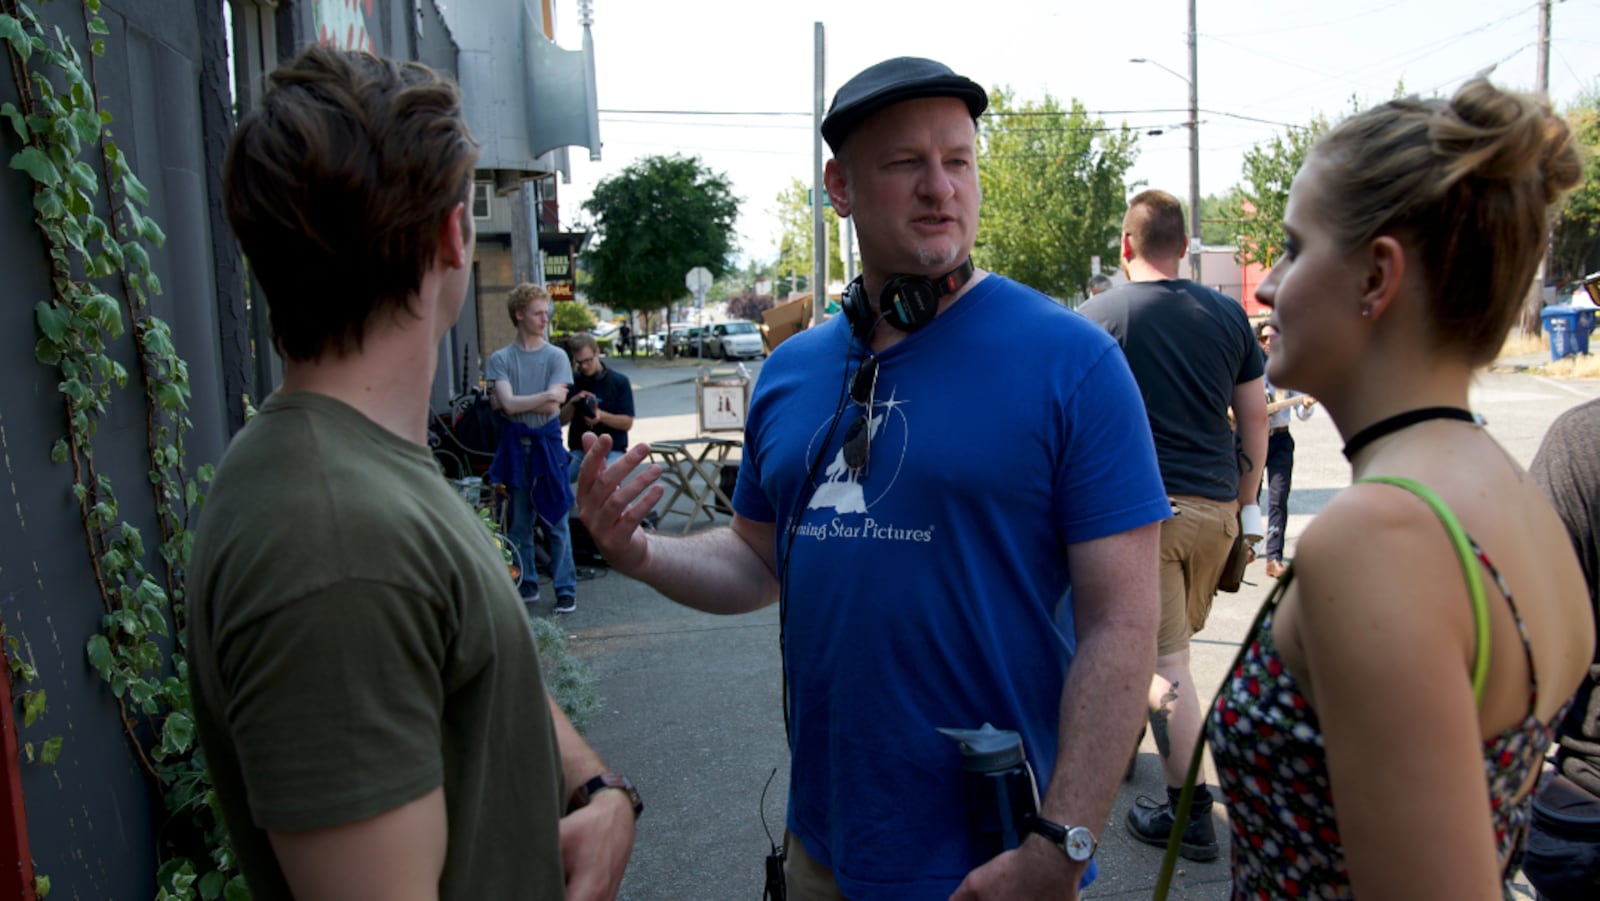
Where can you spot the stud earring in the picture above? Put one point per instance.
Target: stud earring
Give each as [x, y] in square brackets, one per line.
[1366, 312]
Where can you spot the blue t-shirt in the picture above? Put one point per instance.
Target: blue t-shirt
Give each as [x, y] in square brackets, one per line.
[925, 595]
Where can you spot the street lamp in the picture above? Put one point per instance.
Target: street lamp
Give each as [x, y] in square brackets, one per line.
[1194, 147]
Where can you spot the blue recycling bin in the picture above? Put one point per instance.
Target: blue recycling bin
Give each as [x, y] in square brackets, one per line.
[1584, 324]
[1561, 327]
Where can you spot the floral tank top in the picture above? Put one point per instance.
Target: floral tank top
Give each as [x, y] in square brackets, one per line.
[1267, 745]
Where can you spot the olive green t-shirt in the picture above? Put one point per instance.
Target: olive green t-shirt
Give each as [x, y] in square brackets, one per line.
[354, 643]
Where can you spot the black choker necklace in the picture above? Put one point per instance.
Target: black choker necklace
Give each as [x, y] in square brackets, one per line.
[1403, 421]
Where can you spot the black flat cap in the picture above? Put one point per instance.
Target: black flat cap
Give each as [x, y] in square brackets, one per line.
[891, 81]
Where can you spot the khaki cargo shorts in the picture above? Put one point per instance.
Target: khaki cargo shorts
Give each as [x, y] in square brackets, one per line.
[1194, 544]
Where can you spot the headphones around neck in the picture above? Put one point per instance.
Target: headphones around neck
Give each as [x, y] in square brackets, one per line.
[907, 302]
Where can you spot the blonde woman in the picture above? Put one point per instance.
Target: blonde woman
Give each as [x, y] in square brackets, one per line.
[1388, 719]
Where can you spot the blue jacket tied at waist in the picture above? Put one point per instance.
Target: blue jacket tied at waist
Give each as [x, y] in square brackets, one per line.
[527, 454]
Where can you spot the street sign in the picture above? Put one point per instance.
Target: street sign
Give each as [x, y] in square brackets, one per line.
[698, 280]
[811, 198]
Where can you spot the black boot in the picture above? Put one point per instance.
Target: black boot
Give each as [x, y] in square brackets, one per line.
[1151, 822]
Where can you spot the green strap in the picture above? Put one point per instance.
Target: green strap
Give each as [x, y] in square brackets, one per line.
[1480, 656]
[1469, 568]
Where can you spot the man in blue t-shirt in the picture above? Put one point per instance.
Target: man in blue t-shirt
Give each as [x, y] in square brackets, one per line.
[920, 563]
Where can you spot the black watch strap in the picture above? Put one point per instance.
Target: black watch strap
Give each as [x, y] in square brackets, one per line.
[1076, 842]
[580, 798]
[1056, 834]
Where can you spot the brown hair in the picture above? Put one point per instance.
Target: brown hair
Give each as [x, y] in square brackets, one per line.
[522, 296]
[336, 187]
[1154, 226]
[582, 341]
[1467, 184]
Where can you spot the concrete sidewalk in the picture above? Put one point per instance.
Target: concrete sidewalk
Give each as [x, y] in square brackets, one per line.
[691, 713]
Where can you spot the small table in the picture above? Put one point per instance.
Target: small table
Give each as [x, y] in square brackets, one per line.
[692, 467]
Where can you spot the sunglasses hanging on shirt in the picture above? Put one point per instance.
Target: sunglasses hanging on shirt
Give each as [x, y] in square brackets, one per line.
[858, 438]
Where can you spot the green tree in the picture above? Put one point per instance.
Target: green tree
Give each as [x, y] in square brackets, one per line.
[570, 316]
[653, 222]
[1054, 190]
[795, 245]
[1218, 225]
[1257, 205]
[1576, 227]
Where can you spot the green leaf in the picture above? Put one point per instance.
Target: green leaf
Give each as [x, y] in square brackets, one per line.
[103, 311]
[49, 753]
[141, 693]
[52, 320]
[41, 885]
[100, 654]
[33, 707]
[237, 890]
[152, 232]
[177, 734]
[19, 122]
[210, 887]
[137, 258]
[85, 123]
[49, 205]
[33, 161]
[135, 188]
[97, 25]
[82, 177]
[58, 451]
[169, 397]
[11, 31]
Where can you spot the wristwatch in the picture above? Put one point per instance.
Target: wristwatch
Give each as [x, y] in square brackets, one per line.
[1077, 842]
[602, 782]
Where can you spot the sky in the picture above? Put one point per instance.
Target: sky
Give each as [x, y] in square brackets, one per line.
[1263, 65]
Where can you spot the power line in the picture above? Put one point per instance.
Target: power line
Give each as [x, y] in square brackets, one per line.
[701, 112]
[991, 113]
[1400, 59]
[1293, 28]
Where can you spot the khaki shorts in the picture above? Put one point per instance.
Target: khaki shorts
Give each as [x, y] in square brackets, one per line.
[1194, 546]
[805, 879]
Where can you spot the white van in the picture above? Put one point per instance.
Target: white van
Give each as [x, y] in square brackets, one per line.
[735, 340]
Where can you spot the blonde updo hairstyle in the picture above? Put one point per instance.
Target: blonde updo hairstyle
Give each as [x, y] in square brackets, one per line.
[1465, 184]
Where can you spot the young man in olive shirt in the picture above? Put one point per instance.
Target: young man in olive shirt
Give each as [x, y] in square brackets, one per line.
[366, 689]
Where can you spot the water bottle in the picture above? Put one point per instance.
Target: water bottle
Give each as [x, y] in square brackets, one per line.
[1001, 792]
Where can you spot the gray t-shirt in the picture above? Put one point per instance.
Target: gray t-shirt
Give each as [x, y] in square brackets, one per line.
[1568, 470]
[1188, 346]
[530, 372]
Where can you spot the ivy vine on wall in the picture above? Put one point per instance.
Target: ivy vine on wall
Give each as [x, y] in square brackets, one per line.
[88, 206]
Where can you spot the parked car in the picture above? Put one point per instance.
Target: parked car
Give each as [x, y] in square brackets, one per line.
[735, 340]
[688, 340]
[655, 344]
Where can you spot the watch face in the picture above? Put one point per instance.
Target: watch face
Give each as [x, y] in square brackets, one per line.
[1079, 844]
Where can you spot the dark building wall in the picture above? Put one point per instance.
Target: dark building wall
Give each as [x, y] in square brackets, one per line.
[95, 825]
[92, 819]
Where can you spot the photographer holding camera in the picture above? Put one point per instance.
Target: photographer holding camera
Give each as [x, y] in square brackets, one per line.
[601, 401]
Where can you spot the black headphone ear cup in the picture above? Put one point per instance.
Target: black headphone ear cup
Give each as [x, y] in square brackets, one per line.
[856, 311]
[909, 302]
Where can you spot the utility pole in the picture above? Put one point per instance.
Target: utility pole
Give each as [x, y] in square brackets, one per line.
[1544, 48]
[1531, 323]
[1194, 150]
[819, 225]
